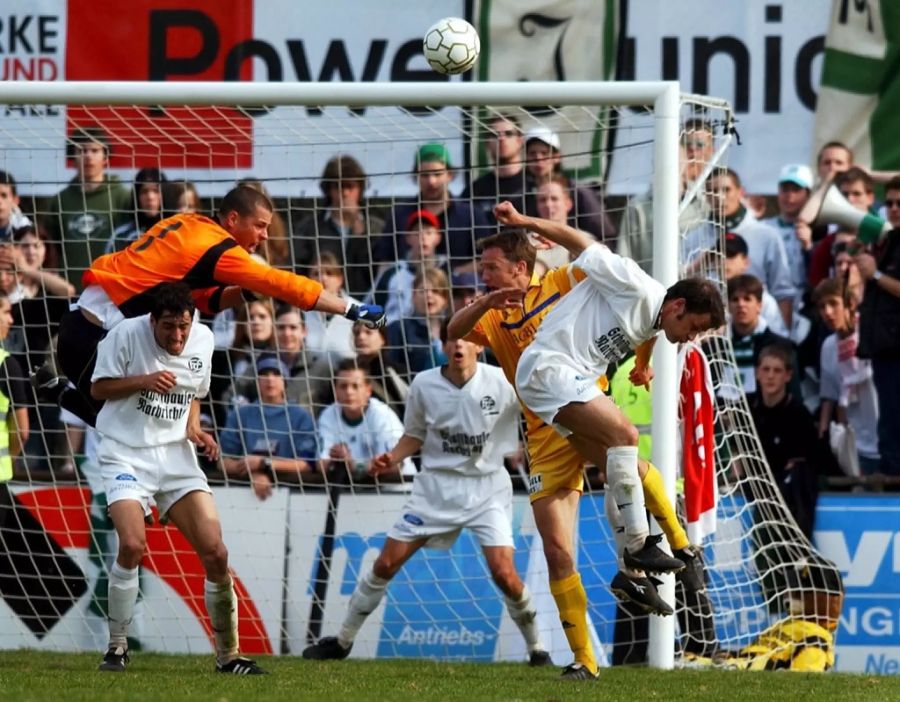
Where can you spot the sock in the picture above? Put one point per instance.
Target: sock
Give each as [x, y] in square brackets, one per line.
[221, 605]
[661, 508]
[366, 597]
[625, 484]
[524, 615]
[123, 592]
[614, 518]
[571, 601]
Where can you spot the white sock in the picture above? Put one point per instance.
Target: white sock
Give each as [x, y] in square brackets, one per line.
[221, 605]
[625, 484]
[123, 592]
[524, 615]
[614, 518]
[365, 599]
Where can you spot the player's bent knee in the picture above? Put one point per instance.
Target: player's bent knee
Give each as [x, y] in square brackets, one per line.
[507, 579]
[215, 559]
[385, 567]
[131, 551]
[560, 563]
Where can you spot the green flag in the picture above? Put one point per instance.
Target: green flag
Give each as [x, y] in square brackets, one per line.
[859, 99]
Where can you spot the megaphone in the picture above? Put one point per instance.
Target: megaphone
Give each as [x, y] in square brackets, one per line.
[826, 205]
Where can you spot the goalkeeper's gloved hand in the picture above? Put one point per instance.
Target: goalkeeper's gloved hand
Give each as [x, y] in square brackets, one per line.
[370, 315]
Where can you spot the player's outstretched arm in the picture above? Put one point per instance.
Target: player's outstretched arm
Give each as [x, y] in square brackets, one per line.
[465, 319]
[389, 461]
[564, 235]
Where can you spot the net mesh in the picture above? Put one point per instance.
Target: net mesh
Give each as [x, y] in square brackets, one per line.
[299, 539]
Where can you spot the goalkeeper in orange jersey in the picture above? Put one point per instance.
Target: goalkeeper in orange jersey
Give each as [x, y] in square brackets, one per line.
[506, 320]
[212, 256]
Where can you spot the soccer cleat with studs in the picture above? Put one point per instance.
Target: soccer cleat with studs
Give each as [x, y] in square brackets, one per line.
[240, 666]
[652, 559]
[115, 660]
[640, 591]
[328, 649]
[693, 577]
[46, 383]
[539, 659]
[578, 671]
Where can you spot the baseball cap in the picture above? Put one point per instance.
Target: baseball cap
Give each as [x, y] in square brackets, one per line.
[272, 363]
[429, 218]
[735, 245]
[466, 280]
[430, 153]
[542, 134]
[797, 174]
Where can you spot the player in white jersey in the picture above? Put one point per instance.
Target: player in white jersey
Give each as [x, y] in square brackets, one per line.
[152, 370]
[463, 418]
[615, 309]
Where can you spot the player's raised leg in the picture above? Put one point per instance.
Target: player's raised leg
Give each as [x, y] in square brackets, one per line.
[196, 517]
[603, 435]
[365, 599]
[128, 518]
[518, 601]
[554, 516]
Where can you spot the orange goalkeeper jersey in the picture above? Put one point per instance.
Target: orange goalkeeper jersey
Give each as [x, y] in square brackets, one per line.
[195, 250]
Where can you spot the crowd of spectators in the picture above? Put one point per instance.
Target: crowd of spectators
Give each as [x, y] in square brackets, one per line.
[300, 393]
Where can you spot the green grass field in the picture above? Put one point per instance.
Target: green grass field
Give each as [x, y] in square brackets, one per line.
[47, 677]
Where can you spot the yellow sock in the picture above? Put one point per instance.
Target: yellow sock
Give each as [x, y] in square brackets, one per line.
[571, 601]
[660, 507]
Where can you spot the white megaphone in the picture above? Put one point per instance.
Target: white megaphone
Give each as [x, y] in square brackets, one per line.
[826, 205]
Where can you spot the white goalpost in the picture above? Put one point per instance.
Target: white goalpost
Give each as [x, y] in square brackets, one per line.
[298, 553]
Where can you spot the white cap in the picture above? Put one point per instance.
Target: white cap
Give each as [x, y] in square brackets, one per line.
[797, 174]
[543, 134]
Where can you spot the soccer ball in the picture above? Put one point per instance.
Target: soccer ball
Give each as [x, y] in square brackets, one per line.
[451, 45]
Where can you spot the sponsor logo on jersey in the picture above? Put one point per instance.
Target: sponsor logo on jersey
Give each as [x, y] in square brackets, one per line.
[195, 364]
[126, 476]
[613, 345]
[535, 484]
[413, 519]
[489, 405]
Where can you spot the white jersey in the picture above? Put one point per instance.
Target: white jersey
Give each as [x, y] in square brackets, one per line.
[378, 432]
[465, 430]
[612, 311]
[148, 418]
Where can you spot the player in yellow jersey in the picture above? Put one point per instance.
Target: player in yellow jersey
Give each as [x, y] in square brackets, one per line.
[506, 319]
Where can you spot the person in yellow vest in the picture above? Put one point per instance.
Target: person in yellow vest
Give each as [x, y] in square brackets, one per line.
[13, 409]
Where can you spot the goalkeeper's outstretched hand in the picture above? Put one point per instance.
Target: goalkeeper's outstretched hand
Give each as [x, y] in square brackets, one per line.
[370, 315]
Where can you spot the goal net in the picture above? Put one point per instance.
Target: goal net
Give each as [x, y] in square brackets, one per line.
[299, 539]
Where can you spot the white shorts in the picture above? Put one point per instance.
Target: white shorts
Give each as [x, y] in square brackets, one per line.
[159, 474]
[547, 382]
[443, 503]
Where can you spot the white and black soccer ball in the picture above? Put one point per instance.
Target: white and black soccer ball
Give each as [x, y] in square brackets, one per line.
[451, 45]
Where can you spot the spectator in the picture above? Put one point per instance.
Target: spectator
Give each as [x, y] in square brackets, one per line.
[30, 256]
[328, 336]
[180, 197]
[146, 209]
[788, 435]
[343, 225]
[393, 287]
[749, 331]
[461, 224]
[835, 157]
[767, 257]
[737, 262]
[847, 388]
[554, 203]
[844, 266]
[465, 287]
[271, 438]
[302, 386]
[892, 201]
[14, 425]
[254, 335]
[879, 341]
[506, 181]
[81, 218]
[543, 159]
[276, 248]
[357, 427]
[794, 186]
[858, 188]
[415, 342]
[11, 217]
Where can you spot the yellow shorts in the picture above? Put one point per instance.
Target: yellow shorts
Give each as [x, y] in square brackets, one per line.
[553, 464]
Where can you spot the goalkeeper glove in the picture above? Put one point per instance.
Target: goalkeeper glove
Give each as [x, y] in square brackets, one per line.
[370, 315]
